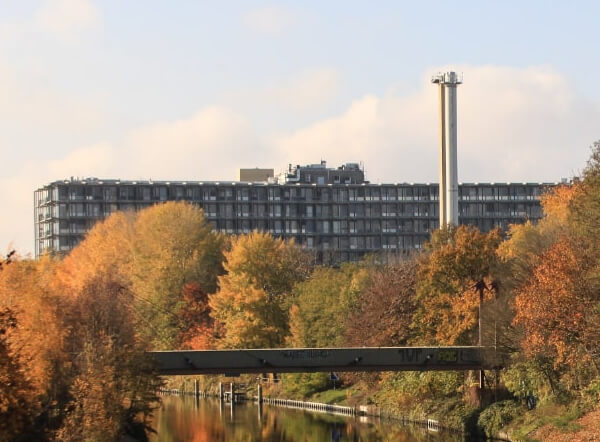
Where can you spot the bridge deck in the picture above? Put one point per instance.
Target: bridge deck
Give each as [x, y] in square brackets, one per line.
[299, 360]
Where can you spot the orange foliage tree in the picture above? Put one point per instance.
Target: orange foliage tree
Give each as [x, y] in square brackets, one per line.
[198, 327]
[26, 289]
[113, 386]
[557, 311]
[459, 263]
[17, 398]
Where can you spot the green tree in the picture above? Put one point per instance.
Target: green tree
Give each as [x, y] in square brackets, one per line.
[254, 295]
[322, 305]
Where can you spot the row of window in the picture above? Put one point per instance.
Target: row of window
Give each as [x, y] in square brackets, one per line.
[325, 252]
[344, 228]
[277, 227]
[364, 242]
[260, 210]
[281, 193]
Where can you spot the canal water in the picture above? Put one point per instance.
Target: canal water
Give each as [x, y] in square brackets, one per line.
[208, 420]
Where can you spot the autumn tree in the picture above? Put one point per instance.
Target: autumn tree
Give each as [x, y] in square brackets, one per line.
[322, 305]
[585, 209]
[254, 295]
[521, 252]
[106, 249]
[17, 395]
[38, 339]
[454, 274]
[113, 384]
[563, 275]
[558, 310]
[198, 329]
[383, 313]
[173, 245]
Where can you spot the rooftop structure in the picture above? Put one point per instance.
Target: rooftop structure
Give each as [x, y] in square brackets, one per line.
[255, 175]
[349, 173]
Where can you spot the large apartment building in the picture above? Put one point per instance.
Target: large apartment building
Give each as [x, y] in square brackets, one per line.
[333, 211]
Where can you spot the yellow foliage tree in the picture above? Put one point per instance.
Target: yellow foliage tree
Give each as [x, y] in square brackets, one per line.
[253, 298]
[107, 249]
[173, 245]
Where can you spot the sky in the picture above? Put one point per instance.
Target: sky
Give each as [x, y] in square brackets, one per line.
[195, 90]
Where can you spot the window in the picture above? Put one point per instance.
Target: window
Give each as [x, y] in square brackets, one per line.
[275, 210]
[336, 227]
[209, 194]
[76, 193]
[94, 210]
[160, 193]
[274, 194]
[389, 193]
[76, 209]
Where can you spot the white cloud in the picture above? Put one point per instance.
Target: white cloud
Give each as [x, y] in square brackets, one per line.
[271, 20]
[32, 102]
[514, 124]
[305, 91]
[304, 94]
[96, 160]
[211, 144]
[66, 18]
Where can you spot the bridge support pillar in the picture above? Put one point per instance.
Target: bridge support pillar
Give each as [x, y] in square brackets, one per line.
[259, 394]
[220, 390]
[481, 387]
[195, 387]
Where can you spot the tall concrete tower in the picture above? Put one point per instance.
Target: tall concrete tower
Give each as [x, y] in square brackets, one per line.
[448, 195]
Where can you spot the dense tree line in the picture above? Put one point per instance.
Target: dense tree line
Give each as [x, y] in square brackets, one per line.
[73, 331]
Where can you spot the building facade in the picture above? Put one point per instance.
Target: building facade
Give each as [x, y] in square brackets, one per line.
[341, 221]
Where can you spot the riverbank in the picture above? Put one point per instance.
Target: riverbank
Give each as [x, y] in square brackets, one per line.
[329, 401]
[184, 418]
[507, 419]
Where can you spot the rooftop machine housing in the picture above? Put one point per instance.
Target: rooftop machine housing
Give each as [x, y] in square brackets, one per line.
[349, 173]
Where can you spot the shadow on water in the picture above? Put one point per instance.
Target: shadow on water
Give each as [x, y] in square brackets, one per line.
[207, 420]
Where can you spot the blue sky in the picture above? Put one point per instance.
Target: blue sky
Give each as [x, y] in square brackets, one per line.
[195, 90]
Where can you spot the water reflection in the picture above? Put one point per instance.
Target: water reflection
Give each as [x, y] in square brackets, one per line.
[207, 420]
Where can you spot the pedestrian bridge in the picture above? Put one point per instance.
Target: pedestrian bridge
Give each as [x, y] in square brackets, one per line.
[303, 360]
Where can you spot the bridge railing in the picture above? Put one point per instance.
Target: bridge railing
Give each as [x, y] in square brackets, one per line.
[298, 360]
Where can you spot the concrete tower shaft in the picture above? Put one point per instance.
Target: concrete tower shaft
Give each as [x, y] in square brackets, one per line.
[448, 192]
